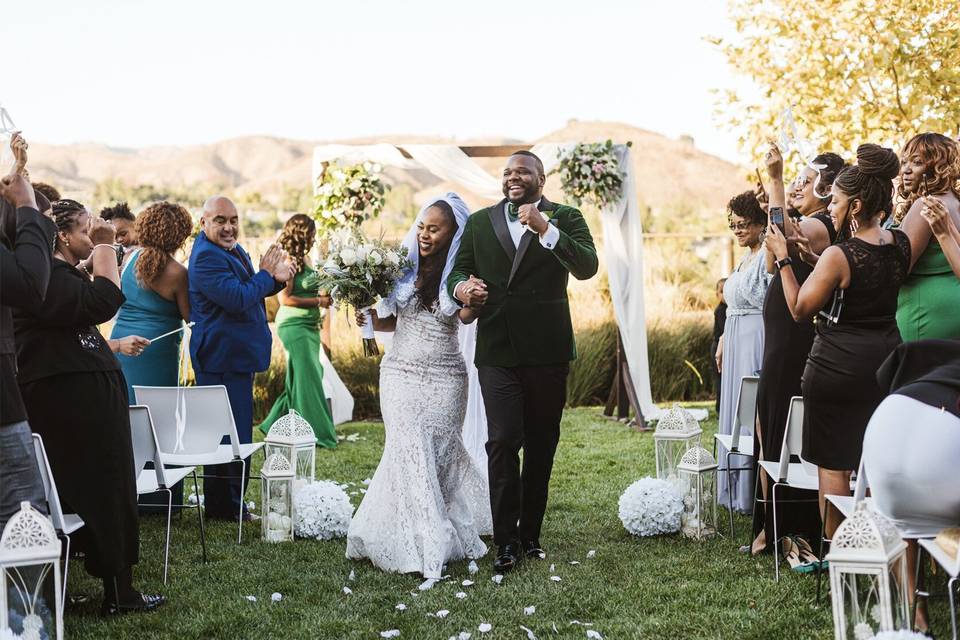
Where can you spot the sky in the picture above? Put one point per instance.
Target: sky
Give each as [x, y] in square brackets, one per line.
[135, 73]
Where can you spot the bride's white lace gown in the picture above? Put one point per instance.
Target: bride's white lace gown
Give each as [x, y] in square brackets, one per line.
[427, 503]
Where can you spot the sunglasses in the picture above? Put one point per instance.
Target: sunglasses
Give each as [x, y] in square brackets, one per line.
[741, 226]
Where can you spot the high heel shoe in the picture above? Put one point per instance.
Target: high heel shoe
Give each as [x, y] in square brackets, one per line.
[145, 602]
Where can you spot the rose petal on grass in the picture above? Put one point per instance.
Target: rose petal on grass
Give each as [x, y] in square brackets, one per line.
[530, 635]
[594, 635]
[352, 576]
[443, 613]
[484, 627]
[553, 568]
[347, 591]
[392, 633]
[555, 578]
[574, 562]
[460, 595]
[472, 567]
[276, 597]
[252, 598]
[582, 624]
[591, 553]
[427, 584]
[497, 579]
[401, 607]
[467, 583]
[529, 611]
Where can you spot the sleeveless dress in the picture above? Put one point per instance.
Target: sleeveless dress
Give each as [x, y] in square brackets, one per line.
[786, 346]
[145, 313]
[427, 503]
[930, 298]
[840, 389]
[744, 293]
[303, 388]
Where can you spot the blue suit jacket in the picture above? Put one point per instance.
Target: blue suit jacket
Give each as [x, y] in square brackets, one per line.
[226, 303]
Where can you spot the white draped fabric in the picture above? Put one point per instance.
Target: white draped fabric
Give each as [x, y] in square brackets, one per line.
[622, 231]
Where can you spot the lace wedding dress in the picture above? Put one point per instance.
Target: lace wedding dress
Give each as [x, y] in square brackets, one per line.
[427, 503]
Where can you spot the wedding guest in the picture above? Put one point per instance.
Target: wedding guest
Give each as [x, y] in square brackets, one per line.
[858, 328]
[719, 319]
[929, 299]
[76, 398]
[741, 345]
[123, 221]
[25, 262]
[49, 191]
[298, 325]
[787, 343]
[912, 444]
[944, 229]
[157, 301]
[231, 340]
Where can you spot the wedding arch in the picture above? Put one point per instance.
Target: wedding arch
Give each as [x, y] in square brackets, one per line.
[622, 231]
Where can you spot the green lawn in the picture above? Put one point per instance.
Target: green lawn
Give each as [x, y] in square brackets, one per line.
[664, 587]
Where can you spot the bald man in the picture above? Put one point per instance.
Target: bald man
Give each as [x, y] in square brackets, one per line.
[231, 340]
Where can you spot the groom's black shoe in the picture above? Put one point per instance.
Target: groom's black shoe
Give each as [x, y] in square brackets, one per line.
[533, 550]
[508, 557]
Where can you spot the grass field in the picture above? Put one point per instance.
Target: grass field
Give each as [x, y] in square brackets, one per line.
[664, 587]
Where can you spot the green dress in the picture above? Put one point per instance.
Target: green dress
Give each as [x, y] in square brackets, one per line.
[929, 302]
[299, 330]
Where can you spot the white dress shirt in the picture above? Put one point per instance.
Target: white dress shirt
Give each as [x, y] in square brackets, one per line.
[549, 238]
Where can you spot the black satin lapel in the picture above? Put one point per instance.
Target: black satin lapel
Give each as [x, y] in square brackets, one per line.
[499, 221]
[525, 241]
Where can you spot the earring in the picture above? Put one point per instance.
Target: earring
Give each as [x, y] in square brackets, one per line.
[66, 243]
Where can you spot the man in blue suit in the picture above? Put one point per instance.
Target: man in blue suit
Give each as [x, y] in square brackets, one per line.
[231, 340]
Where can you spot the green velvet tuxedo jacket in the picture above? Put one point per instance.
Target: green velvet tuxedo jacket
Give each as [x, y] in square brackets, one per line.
[526, 319]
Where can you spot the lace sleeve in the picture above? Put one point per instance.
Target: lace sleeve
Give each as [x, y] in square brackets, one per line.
[754, 281]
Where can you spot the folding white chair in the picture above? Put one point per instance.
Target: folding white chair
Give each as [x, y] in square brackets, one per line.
[734, 443]
[846, 505]
[160, 478]
[798, 475]
[64, 523]
[951, 566]
[207, 420]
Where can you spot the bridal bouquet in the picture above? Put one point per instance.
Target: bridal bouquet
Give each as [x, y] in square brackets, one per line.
[358, 272]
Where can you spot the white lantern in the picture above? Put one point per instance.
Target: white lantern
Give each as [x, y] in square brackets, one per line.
[30, 589]
[868, 576]
[292, 436]
[276, 480]
[677, 430]
[697, 473]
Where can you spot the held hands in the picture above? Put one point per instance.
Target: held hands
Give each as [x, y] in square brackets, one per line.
[17, 191]
[774, 162]
[276, 262]
[473, 292]
[531, 216]
[102, 231]
[936, 215]
[132, 345]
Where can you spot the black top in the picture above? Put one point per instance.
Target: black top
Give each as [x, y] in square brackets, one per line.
[876, 273]
[24, 274]
[60, 335]
[925, 370]
[719, 320]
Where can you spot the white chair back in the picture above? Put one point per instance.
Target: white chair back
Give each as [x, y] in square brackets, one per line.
[792, 437]
[145, 446]
[746, 408]
[49, 486]
[860, 489]
[205, 411]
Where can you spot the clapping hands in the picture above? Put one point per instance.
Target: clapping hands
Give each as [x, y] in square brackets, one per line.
[276, 262]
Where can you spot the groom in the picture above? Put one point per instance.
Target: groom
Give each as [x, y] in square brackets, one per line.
[514, 262]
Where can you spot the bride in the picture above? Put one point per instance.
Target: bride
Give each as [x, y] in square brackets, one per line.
[427, 503]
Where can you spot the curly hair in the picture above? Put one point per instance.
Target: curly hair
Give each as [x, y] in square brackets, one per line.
[941, 155]
[745, 205]
[162, 228]
[48, 190]
[297, 238]
[119, 211]
[834, 165]
[430, 272]
[871, 179]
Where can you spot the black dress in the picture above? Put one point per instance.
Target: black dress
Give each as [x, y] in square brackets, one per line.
[76, 397]
[785, 350]
[840, 389]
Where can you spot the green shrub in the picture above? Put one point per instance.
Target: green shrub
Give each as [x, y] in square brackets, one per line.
[671, 345]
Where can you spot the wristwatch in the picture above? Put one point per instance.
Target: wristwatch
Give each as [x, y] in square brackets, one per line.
[783, 263]
[117, 248]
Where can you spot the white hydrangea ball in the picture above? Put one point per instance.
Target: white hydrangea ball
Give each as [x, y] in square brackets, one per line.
[650, 507]
[323, 511]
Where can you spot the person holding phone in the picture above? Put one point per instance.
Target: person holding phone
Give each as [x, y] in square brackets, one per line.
[929, 300]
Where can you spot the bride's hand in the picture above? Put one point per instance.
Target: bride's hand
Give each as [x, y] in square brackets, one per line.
[361, 316]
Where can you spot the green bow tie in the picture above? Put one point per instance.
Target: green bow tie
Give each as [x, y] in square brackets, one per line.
[513, 212]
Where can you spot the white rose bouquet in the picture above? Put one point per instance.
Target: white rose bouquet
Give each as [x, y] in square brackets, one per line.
[358, 272]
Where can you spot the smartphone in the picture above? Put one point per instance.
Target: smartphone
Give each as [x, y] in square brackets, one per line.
[776, 217]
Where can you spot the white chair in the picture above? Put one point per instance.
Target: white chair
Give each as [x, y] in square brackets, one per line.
[951, 566]
[798, 475]
[846, 505]
[734, 443]
[159, 478]
[64, 523]
[207, 420]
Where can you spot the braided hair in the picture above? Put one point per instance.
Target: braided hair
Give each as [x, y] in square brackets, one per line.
[871, 180]
[162, 228]
[297, 238]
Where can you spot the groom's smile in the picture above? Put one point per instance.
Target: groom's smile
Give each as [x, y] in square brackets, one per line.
[522, 179]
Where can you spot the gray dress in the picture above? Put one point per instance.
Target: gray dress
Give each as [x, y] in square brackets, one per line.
[427, 503]
[744, 292]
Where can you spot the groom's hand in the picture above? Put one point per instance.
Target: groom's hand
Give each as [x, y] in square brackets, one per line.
[473, 292]
[531, 216]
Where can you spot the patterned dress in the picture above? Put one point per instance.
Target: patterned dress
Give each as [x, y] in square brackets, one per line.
[427, 503]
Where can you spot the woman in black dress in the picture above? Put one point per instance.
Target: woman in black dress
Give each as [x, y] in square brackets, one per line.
[76, 397]
[810, 230]
[857, 329]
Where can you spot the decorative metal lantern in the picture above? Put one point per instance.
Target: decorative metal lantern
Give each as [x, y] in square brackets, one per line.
[677, 430]
[292, 436]
[868, 576]
[697, 473]
[30, 589]
[276, 497]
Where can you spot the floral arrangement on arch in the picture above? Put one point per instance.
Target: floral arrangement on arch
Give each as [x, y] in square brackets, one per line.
[348, 195]
[590, 172]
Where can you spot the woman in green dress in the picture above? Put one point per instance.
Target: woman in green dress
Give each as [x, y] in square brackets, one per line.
[930, 297]
[298, 324]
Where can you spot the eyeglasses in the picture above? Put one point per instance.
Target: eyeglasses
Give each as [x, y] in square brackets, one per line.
[741, 226]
